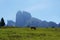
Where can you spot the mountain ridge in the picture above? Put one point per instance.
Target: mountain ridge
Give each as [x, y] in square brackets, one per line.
[24, 18]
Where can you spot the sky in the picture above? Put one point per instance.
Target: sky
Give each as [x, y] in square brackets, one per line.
[48, 10]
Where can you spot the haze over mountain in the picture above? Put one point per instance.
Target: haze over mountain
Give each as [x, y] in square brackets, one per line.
[24, 18]
[48, 10]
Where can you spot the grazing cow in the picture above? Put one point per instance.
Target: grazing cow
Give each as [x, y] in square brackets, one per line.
[33, 28]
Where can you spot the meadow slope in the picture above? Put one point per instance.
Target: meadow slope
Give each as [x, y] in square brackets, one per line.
[28, 34]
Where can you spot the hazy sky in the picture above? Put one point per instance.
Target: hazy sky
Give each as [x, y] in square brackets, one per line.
[48, 10]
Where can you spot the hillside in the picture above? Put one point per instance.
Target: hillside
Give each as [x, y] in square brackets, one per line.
[28, 34]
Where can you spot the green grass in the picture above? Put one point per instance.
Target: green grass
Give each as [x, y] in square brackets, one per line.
[28, 34]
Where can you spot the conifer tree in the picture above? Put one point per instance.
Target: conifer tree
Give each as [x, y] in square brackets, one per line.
[2, 22]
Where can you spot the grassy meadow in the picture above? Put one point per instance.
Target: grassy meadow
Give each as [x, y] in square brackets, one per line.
[28, 34]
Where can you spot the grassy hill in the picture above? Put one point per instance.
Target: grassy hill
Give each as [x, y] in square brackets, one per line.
[28, 34]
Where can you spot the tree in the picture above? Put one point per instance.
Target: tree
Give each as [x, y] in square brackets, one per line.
[2, 22]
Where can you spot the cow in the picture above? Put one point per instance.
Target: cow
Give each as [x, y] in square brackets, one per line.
[34, 28]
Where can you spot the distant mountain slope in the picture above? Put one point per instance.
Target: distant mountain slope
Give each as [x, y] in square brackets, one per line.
[24, 18]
